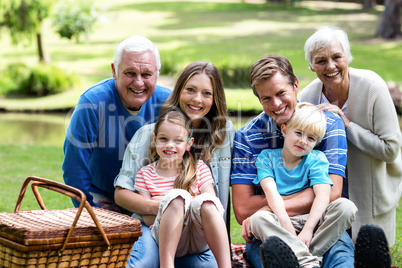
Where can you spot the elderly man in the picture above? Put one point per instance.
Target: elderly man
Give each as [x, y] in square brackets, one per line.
[107, 116]
[276, 86]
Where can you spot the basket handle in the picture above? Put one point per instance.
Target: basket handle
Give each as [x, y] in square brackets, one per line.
[66, 190]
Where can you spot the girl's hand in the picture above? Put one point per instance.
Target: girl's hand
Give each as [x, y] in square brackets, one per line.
[306, 237]
[245, 231]
[334, 109]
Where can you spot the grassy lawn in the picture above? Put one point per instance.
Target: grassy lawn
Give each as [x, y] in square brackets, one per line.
[21, 161]
[228, 33]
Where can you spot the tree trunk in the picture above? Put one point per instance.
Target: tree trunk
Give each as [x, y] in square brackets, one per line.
[368, 4]
[389, 25]
[42, 56]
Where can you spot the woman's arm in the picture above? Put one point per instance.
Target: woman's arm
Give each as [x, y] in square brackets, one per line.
[375, 129]
[134, 202]
[321, 201]
[136, 156]
[148, 219]
[277, 204]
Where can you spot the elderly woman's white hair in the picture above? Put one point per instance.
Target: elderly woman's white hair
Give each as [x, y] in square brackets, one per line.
[321, 38]
[136, 43]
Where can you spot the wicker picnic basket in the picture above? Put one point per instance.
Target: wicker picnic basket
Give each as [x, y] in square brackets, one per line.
[74, 237]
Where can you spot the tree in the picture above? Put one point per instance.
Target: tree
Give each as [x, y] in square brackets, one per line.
[389, 25]
[24, 18]
[368, 4]
[72, 18]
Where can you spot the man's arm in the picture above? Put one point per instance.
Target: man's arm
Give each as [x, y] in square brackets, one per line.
[246, 202]
[81, 138]
[249, 203]
[334, 146]
[336, 189]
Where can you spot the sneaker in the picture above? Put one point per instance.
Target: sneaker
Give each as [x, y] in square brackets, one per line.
[371, 248]
[277, 254]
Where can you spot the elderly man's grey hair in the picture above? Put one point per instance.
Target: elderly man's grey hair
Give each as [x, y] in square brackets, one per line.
[321, 38]
[136, 43]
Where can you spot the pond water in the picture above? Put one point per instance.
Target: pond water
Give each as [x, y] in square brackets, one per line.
[47, 129]
[50, 129]
[38, 129]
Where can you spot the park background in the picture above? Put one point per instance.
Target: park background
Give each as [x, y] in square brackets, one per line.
[232, 34]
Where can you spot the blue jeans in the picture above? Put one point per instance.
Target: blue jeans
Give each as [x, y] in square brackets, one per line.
[145, 254]
[341, 255]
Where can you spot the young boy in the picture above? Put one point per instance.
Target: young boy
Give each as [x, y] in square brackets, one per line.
[289, 170]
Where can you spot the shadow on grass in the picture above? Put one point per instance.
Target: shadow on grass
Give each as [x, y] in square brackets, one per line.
[201, 14]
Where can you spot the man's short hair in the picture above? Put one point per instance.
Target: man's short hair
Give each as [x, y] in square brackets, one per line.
[267, 66]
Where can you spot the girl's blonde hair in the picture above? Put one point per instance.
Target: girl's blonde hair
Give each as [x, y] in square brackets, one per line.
[211, 133]
[309, 117]
[188, 172]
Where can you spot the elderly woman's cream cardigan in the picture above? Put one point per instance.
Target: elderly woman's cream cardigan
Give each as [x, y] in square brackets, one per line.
[374, 166]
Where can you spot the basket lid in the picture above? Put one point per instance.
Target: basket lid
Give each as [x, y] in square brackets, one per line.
[44, 227]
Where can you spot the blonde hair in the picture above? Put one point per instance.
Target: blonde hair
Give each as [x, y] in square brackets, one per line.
[309, 117]
[188, 172]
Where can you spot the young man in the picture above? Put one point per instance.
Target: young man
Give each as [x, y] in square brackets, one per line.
[276, 86]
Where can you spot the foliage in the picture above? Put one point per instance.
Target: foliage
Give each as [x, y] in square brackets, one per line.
[46, 79]
[42, 80]
[23, 18]
[12, 78]
[72, 18]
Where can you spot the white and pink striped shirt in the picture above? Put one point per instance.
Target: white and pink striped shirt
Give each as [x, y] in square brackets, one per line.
[147, 180]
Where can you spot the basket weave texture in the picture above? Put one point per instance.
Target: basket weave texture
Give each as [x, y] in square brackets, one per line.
[34, 239]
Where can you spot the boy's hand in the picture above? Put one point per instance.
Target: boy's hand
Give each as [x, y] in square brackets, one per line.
[305, 236]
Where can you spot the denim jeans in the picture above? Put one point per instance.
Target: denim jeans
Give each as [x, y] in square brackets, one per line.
[145, 254]
[341, 255]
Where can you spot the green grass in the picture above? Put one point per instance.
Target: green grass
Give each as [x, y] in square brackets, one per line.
[20, 161]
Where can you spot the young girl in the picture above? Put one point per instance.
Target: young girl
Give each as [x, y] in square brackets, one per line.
[188, 202]
[289, 170]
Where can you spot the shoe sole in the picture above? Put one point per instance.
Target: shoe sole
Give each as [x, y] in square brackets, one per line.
[371, 248]
[277, 254]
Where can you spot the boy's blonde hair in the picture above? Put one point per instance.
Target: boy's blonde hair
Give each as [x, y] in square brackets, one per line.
[309, 117]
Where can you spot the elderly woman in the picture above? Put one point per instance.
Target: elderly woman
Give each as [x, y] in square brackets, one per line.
[362, 100]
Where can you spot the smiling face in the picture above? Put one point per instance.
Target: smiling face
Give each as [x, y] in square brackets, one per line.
[298, 142]
[136, 78]
[171, 143]
[197, 97]
[331, 65]
[278, 97]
